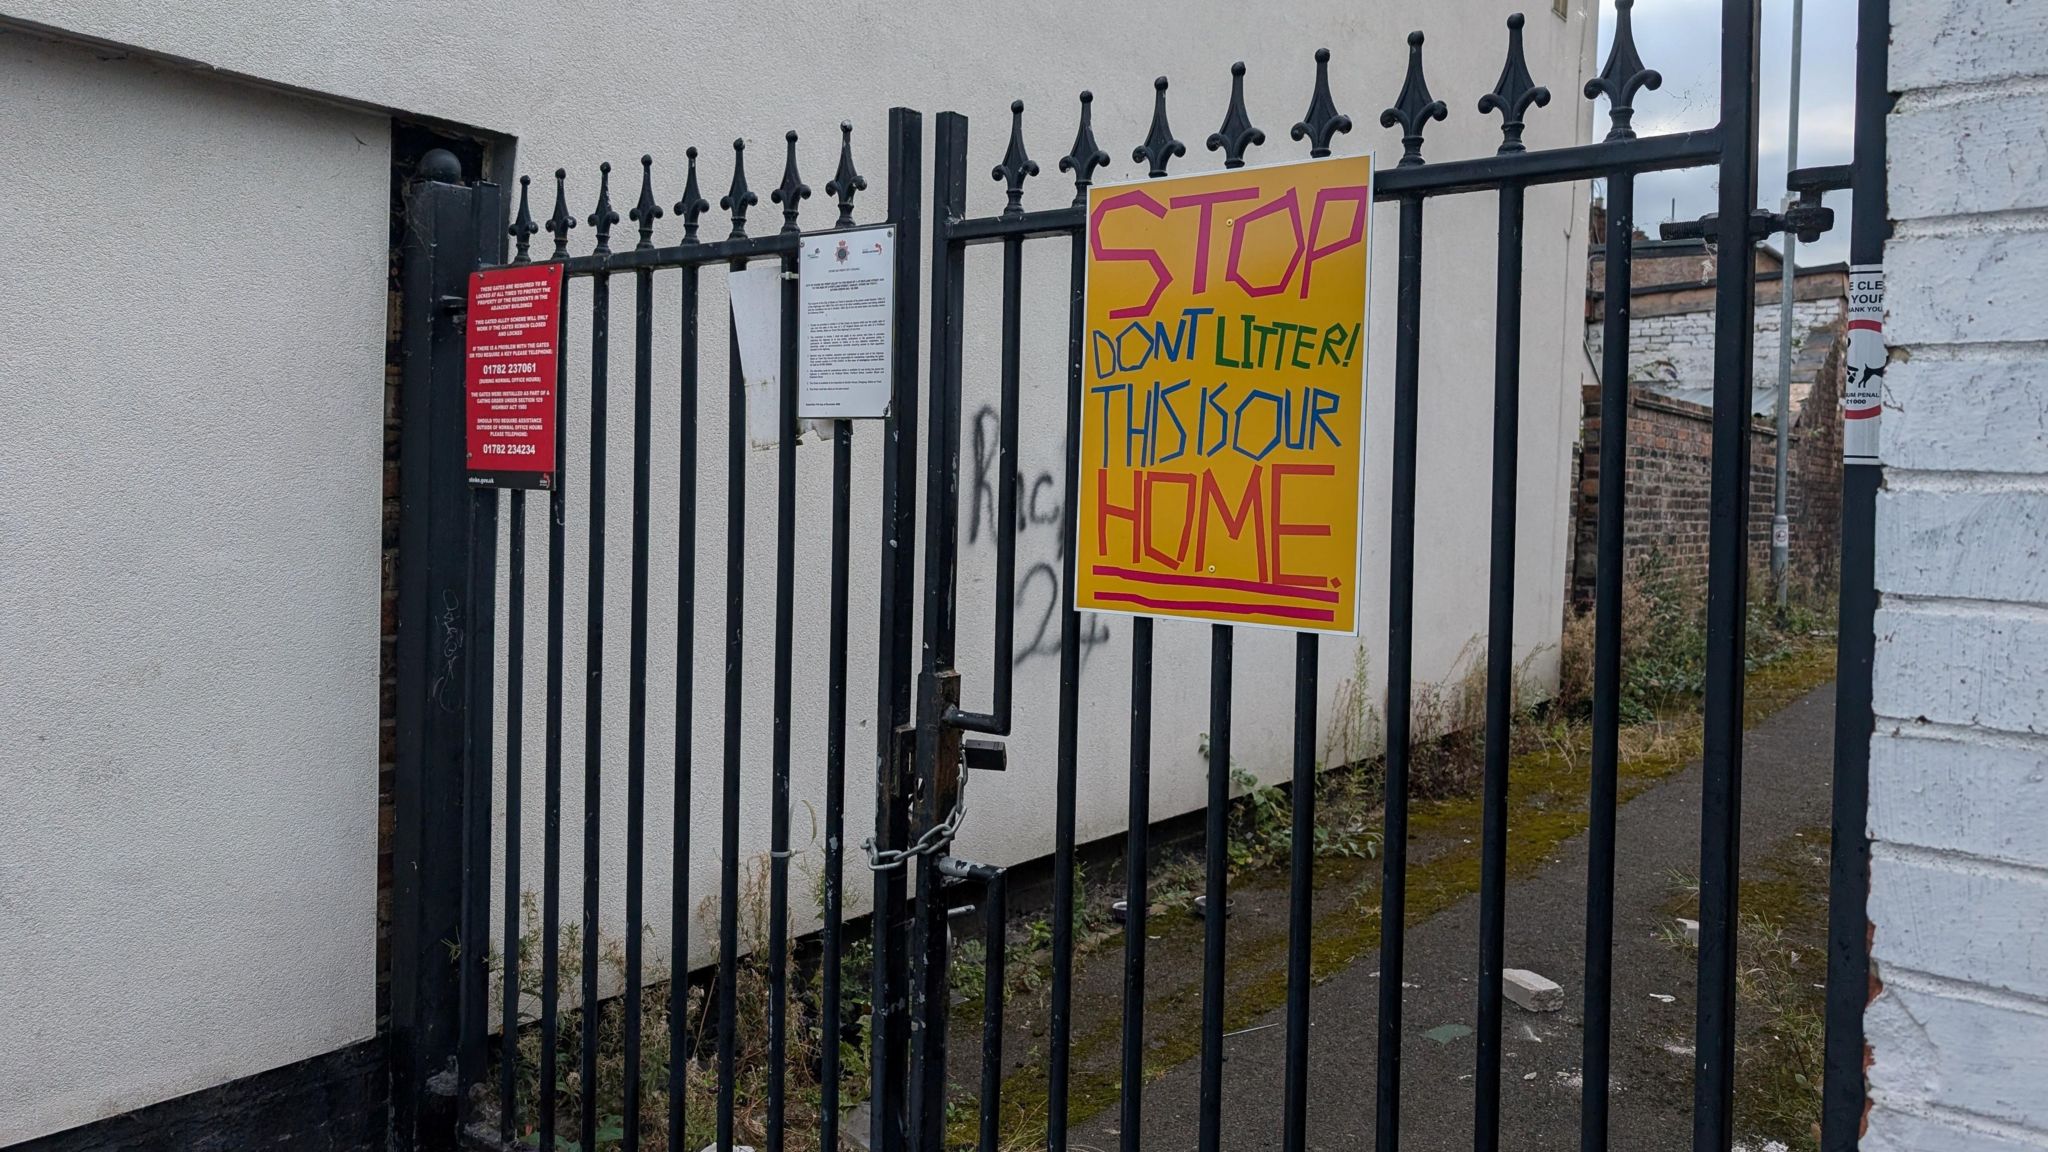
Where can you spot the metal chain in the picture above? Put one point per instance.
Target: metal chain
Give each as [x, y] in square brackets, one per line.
[935, 840]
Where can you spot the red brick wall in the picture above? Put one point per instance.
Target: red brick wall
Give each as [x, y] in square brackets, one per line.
[1670, 447]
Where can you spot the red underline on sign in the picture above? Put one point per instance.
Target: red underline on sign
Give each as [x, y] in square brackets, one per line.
[1866, 326]
[1324, 595]
[1860, 413]
[1289, 611]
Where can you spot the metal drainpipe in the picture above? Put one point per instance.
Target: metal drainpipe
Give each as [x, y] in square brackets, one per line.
[1781, 527]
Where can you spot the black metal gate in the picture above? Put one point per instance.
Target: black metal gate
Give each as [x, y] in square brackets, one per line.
[444, 1085]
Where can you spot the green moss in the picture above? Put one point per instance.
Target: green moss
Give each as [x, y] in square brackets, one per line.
[1781, 967]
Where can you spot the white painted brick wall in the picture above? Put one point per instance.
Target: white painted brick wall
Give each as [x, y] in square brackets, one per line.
[1963, 918]
[1961, 789]
[1973, 410]
[1959, 759]
[1679, 347]
[1974, 537]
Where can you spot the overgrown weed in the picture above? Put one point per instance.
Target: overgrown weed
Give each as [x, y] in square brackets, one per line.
[699, 1034]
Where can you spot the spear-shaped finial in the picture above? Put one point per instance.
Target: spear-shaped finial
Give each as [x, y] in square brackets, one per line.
[561, 221]
[1322, 121]
[646, 212]
[1086, 156]
[1623, 74]
[791, 190]
[604, 217]
[738, 198]
[1016, 166]
[693, 204]
[1159, 145]
[522, 224]
[1515, 91]
[1237, 133]
[845, 182]
[1414, 107]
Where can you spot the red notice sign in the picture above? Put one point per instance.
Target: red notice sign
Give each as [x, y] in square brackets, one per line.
[514, 346]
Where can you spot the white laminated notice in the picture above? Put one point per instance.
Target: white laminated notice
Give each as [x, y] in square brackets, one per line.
[847, 319]
[1863, 378]
[757, 324]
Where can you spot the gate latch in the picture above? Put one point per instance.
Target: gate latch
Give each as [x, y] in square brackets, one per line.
[1805, 217]
[984, 755]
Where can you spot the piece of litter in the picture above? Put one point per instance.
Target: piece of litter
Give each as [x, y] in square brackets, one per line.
[1531, 1034]
[1661, 997]
[1531, 991]
[1253, 1028]
[1528, 1076]
[1445, 1033]
[1691, 929]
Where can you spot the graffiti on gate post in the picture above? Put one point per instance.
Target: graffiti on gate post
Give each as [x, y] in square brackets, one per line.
[1041, 507]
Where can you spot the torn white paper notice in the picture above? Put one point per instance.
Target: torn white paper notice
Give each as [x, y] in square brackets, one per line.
[848, 311]
[757, 322]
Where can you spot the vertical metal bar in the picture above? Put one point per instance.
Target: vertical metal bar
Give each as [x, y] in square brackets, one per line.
[785, 610]
[835, 782]
[680, 1041]
[942, 457]
[735, 698]
[1400, 668]
[1137, 895]
[1006, 485]
[995, 921]
[889, 1028]
[1301, 893]
[1061, 1022]
[1609, 574]
[1500, 667]
[551, 804]
[1216, 876]
[593, 697]
[929, 996]
[473, 1040]
[1727, 582]
[1842, 1090]
[1788, 275]
[481, 599]
[515, 694]
[636, 693]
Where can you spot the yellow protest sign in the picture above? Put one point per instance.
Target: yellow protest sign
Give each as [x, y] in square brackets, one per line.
[1223, 396]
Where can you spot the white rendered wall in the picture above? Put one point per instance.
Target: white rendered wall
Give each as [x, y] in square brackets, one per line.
[1959, 761]
[193, 410]
[611, 83]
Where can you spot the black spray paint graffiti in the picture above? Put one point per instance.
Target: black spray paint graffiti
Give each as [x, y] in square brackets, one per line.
[1039, 588]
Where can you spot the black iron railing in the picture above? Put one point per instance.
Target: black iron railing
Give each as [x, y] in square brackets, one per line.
[922, 753]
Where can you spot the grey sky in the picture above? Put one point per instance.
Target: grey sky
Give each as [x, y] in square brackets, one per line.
[1681, 39]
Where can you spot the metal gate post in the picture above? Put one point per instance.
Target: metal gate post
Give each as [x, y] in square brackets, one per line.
[1843, 1088]
[446, 586]
[895, 775]
[1727, 589]
[1727, 578]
